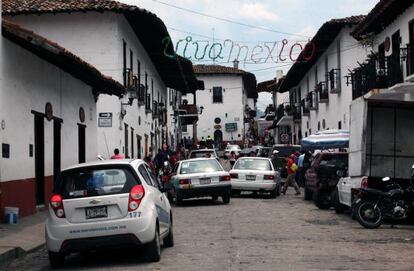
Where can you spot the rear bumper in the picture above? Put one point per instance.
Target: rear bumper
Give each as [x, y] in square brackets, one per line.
[195, 192]
[253, 185]
[91, 243]
[64, 236]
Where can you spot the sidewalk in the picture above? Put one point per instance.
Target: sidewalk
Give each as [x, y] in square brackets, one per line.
[24, 237]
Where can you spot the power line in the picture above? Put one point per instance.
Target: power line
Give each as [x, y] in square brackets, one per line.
[228, 20]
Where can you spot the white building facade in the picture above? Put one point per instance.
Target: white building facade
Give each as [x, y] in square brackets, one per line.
[319, 90]
[111, 37]
[227, 104]
[47, 115]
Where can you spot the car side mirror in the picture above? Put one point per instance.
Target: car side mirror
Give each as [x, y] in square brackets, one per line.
[386, 179]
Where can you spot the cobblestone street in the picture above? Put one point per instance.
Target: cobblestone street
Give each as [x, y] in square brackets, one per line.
[258, 234]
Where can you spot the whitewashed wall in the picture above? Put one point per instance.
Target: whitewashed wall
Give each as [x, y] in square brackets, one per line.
[28, 84]
[232, 106]
[337, 109]
[98, 38]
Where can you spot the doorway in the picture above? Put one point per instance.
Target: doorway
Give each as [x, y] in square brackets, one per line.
[81, 143]
[57, 125]
[39, 140]
[138, 147]
[132, 142]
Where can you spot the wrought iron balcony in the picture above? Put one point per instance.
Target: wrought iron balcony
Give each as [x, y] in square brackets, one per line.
[305, 107]
[154, 109]
[322, 89]
[312, 100]
[334, 77]
[409, 60]
[376, 73]
[148, 103]
[191, 114]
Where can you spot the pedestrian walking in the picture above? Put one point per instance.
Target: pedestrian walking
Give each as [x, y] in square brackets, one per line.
[117, 155]
[290, 180]
[225, 163]
[232, 158]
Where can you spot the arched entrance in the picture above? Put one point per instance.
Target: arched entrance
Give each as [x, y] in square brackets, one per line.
[218, 136]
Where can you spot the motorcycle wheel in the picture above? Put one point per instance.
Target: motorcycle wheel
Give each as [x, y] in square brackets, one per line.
[368, 215]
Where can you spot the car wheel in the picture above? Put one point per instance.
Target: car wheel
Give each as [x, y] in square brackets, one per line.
[56, 259]
[307, 194]
[169, 239]
[273, 193]
[338, 206]
[226, 198]
[322, 199]
[153, 249]
[214, 198]
[178, 199]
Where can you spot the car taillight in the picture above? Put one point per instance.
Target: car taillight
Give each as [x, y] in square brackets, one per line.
[184, 181]
[225, 178]
[364, 182]
[234, 175]
[56, 203]
[269, 177]
[136, 195]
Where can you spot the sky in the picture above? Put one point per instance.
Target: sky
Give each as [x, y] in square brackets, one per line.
[261, 26]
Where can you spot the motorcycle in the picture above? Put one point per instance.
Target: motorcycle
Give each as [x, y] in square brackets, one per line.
[372, 205]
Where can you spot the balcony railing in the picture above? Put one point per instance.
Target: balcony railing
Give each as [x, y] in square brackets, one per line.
[154, 109]
[312, 100]
[280, 112]
[409, 62]
[148, 103]
[305, 107]
[297, 114]
[322, 89]
[334, 77]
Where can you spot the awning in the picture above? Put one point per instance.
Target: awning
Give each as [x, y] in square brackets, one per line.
[285, 121]
[329, 139]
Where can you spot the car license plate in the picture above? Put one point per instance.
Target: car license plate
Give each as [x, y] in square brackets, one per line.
[205, 181]
[96, 212]
[251, 177]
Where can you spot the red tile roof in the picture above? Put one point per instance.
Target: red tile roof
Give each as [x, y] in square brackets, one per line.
[249, 79]
[151, 36]
[62, 58]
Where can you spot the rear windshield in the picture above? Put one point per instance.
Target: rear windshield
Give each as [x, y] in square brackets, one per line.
[337, 161]
[253, 164]
[202, 154]
[285, 151]
[233, 147]
[202, 166]
[90, 182]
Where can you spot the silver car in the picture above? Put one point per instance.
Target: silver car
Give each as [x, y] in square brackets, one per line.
[200, 177]
[109, 203]
[255, 174]
[203, 153]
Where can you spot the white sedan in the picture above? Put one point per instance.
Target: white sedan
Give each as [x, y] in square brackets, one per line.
[255, 174]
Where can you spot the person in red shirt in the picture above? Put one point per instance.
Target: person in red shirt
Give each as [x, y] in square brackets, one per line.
[117, 155]
[290, 180]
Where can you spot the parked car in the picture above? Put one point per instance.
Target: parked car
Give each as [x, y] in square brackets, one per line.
[321, 179]
[264, 152]
[108, 203]
[285, 149]
[203, 153]
[255, 174]
[230, 148]
[200, 177]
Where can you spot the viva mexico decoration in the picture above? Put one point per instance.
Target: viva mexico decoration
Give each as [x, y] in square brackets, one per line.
[228, 50]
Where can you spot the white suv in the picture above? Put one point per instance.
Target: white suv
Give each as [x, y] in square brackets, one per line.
[109, 203]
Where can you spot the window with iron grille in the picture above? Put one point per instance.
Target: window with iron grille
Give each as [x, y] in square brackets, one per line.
[217, 95]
